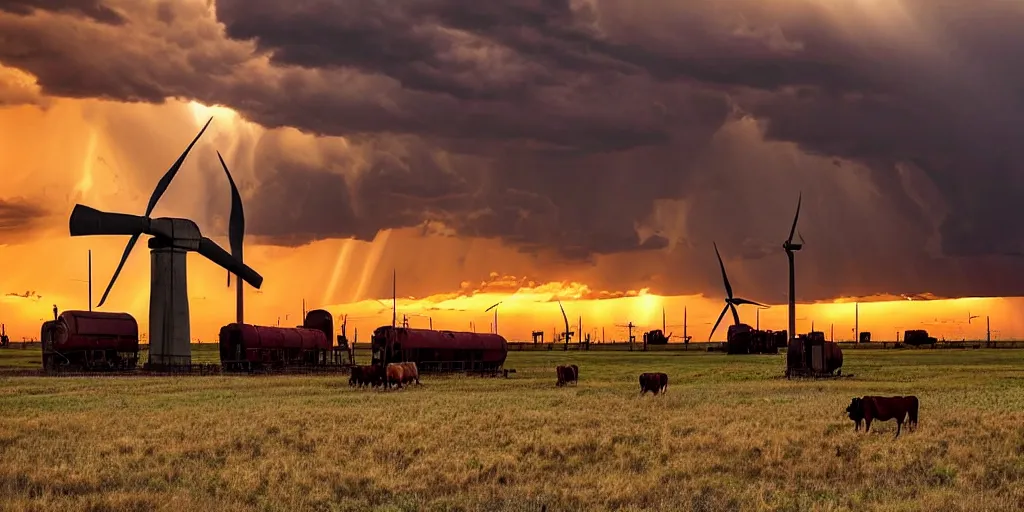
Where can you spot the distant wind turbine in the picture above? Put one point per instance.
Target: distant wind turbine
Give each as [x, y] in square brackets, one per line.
[495, 308]
[790, 248]
[730, 301]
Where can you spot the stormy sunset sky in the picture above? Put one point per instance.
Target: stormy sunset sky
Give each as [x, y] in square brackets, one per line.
[526, 151]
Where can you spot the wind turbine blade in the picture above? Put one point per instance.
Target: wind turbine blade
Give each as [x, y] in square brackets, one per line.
[213, 252]
[735, 315]
[792, 230]
[124, 257]
[492, 307]
[87, 221]
[725, 278]
[720, 317]
[752, 303]
[236, 222]
[165, 181]
[566, 320]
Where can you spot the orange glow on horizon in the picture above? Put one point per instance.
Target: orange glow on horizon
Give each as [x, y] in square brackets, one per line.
[342, 276]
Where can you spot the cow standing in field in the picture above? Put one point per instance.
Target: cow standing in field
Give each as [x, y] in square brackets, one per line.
[881, 408]
[575, 374]
[410, 373]
[394, 375]
[565, 375]
[653, 382]
[371, 375]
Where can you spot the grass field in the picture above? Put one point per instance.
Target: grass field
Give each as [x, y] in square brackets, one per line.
[728, 435]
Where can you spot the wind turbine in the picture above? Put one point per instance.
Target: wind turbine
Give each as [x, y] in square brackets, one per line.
[971, 317]
[730, 301]
[172, 238]
[790, 248]
[495, 308]
[567, 333]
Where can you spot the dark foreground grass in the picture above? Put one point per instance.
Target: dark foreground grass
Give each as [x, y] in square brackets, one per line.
[728, 435]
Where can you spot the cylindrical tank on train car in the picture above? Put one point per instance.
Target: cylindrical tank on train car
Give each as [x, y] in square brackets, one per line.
[439, 346]
[268, 337]
[92, 330]
[320, 320]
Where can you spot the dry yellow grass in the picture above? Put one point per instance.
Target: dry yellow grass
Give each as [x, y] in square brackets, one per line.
[728, 435]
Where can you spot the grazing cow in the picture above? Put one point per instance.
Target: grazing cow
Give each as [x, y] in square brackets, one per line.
[410, 373]
[653, 382]
[374, 375]
[883, 408]
[371, 375]
[395, 374]
[564, 374]
[356, 377]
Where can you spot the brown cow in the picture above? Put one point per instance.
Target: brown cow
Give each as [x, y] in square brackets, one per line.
[653, 382]
[395, 374]
[371, 375]
[882, 408]
[410, 373]
[564, 374]
[356, 377]
[575, 374]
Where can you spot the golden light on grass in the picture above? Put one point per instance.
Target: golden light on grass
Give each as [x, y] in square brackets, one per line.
[729, 434]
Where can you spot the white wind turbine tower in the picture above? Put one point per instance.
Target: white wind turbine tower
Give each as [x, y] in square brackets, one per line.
[790, 248]
[172, 238]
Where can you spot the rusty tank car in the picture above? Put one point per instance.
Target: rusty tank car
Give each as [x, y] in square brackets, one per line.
[439, 351]
[90, 341]
[247, 347]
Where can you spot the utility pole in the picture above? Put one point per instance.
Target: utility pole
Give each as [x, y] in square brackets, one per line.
[856, 322]
[988, 330]
[686, 339]
[90, 279]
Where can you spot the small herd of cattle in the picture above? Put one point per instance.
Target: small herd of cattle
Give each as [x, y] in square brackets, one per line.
[866, 408]
[375, 375]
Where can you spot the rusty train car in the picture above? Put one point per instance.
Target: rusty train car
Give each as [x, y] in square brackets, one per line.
[439, 351]
[248, 348]
[744, 339]
[90, 341]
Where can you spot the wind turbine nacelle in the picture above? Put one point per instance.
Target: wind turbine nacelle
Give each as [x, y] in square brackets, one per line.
[178, 233]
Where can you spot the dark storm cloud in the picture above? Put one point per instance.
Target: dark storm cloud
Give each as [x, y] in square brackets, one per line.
[18, 218]
[94, 9]
[561, 126]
